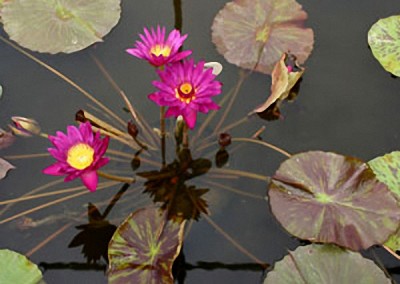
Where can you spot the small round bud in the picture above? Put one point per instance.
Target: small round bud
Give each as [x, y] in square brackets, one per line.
[80, 116]
[224, 140]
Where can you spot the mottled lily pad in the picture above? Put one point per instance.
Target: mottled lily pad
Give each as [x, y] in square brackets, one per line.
[387, 170]
[284, 77]
[17, 269]
[330, 198]
[384, 40]
[59, 25]
[325, 264]
[250, 31]
[144, 248]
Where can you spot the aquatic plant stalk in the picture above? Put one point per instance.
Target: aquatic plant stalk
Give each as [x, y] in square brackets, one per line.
[57, 201]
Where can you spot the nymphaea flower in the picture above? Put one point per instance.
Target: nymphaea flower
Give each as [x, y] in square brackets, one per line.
[186, 88]
[79, 153]
[158, 51]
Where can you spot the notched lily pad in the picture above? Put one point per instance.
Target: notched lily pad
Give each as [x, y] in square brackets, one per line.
[384, 40]
[144, 248]
[17, 269]
[325, 264]
[287, 72]
[59, 26]
[255, 33]
[330, 198]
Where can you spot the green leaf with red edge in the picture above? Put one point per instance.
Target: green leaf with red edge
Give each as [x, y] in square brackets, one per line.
[330, 198]
[59, 26]
[144, 248]
[325, 264]
[384, 40]
[255, 33]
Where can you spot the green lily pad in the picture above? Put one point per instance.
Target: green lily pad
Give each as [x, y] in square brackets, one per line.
[384, 40]
[55, 26]
[325, 264]
[255, 33]
[144, 248]
[330, 198]
[17, 269]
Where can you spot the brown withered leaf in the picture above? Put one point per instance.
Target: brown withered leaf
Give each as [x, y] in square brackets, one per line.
[287, 72]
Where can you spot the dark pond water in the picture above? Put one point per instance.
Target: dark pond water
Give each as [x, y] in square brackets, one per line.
[347, 104]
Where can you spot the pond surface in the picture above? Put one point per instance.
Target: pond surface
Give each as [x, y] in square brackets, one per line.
[347, 104]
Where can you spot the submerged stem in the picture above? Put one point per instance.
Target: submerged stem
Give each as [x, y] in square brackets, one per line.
[235, 243]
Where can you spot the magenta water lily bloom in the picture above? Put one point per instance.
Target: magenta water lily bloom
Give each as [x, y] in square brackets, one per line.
[186, 88]
[157, 50]
[79, 153]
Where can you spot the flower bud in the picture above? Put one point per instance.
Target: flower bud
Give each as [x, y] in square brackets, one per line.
[133, 129]
[25, 127]
[224, 140]
[80, 116]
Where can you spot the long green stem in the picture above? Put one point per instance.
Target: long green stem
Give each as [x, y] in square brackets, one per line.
[178, 14]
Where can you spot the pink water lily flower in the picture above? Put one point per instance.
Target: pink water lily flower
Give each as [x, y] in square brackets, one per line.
[157, 50]
[186, 88]
[79, 153]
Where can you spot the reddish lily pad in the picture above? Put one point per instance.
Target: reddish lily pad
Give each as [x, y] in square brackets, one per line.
[284, 77]
[144, 248]
[325, 264]
[330, 198]
[59, 26]
[384, 40]
[253, 34]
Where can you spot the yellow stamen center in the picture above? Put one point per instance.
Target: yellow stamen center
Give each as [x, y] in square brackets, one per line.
[158, 50]
[80, 156]
[185, 93]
